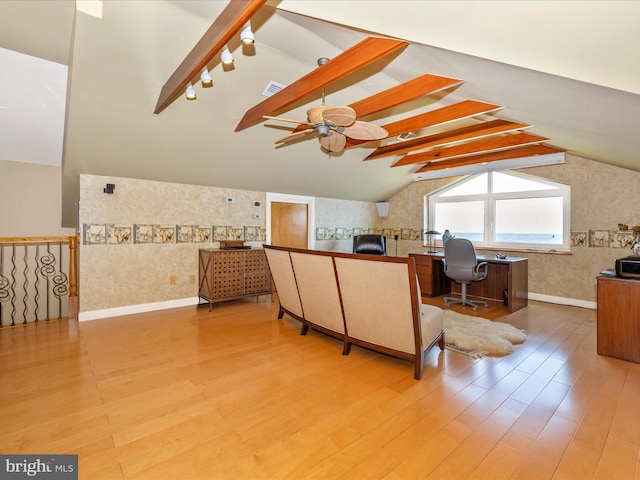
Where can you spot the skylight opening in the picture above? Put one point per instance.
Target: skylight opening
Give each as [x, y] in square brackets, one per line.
[90, 7]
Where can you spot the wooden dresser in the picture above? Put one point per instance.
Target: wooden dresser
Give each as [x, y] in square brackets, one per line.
[232, 274]
[619, 318]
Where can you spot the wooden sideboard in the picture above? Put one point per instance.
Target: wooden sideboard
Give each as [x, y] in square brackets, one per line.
[510, 274]
[618, 327]
[233, 274]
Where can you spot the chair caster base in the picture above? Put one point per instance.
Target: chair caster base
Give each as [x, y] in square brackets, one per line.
[448, 301]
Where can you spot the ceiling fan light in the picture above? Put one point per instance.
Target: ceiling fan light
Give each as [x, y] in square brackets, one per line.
[246, 35]
[190, 92]
[226, 57]
[205, 78]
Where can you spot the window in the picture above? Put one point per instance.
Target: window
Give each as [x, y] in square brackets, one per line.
[503, 209]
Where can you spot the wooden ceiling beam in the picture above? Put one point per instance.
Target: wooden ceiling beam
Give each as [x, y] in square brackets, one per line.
[485, 145]
[417, 87]
[359, 56]
[426, 84]
[479, 130]
[517, 152]
[457, 111]
[235, 15]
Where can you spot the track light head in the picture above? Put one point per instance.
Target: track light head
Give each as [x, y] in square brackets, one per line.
[205, 78]
[190, 92]
[226, 57]
[246, 35]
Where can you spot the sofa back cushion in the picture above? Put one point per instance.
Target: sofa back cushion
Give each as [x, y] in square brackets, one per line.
[377, 301]
[284, 279]
[318, 289]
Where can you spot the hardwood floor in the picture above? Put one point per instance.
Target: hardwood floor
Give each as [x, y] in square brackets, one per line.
[236, 394]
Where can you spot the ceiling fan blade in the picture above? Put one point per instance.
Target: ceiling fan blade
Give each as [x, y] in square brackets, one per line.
[339, 116]
[417, 87]
[314, 114]
[292, 137]
[229, 22]
[334, 142]
[351, 60]
[365, 131]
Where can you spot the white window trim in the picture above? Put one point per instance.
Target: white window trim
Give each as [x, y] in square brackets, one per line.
[489, 199]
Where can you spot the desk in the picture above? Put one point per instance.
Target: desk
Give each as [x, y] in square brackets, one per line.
[618, 328]
[511, 273]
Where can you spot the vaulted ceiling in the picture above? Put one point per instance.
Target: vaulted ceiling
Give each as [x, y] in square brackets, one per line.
[516, 78]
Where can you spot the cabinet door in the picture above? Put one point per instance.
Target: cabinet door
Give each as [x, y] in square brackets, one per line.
[618, 327]
[228, 274]
[257, 277]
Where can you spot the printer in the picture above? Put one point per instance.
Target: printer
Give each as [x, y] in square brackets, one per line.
[628, 267]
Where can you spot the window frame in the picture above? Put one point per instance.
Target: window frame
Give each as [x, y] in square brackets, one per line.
[490, 200]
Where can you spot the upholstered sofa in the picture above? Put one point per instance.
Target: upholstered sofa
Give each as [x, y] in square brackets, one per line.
[366, 300]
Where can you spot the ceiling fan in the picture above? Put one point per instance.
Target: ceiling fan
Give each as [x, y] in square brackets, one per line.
[332, 126]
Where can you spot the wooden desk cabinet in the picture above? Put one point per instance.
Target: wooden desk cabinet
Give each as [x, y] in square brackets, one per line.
[431, 277]
[511, 274]
[232, 274]
[618, 327]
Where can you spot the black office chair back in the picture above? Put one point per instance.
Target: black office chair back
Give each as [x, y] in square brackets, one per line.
[370, 244]
[460, 260]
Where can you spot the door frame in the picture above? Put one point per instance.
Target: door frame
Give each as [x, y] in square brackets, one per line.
[287, 198]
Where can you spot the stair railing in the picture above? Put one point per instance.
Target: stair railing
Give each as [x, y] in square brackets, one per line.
[38, 279]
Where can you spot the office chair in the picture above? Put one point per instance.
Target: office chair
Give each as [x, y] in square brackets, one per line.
[370, 244]
[461, 265]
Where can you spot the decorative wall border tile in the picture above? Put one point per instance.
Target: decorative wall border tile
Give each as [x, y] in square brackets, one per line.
[119, 234]
[185, 234]
[122, 234]
[235, 233]
[164, 234]
[579, 239]
[252, 234]
[598, 238]
[95, 234]
[143, 233]
[220, 233]
[618, 239]
[202, 233]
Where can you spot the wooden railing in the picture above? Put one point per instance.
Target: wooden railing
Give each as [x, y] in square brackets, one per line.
[37, 275]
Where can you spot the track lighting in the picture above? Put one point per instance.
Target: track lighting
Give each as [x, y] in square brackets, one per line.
[205, 78]
[246, 35]
[226, 56]
[190, 92]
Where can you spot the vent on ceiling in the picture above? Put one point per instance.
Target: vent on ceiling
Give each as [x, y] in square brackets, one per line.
[403, 137]
[272, 88]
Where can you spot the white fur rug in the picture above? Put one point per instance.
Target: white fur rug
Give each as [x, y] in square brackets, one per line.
[476, 336]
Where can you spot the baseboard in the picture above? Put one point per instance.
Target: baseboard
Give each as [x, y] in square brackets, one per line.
[141, 308]
[562, 300]
[185, 302]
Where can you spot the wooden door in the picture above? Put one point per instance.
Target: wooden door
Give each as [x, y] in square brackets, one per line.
[289, 224]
